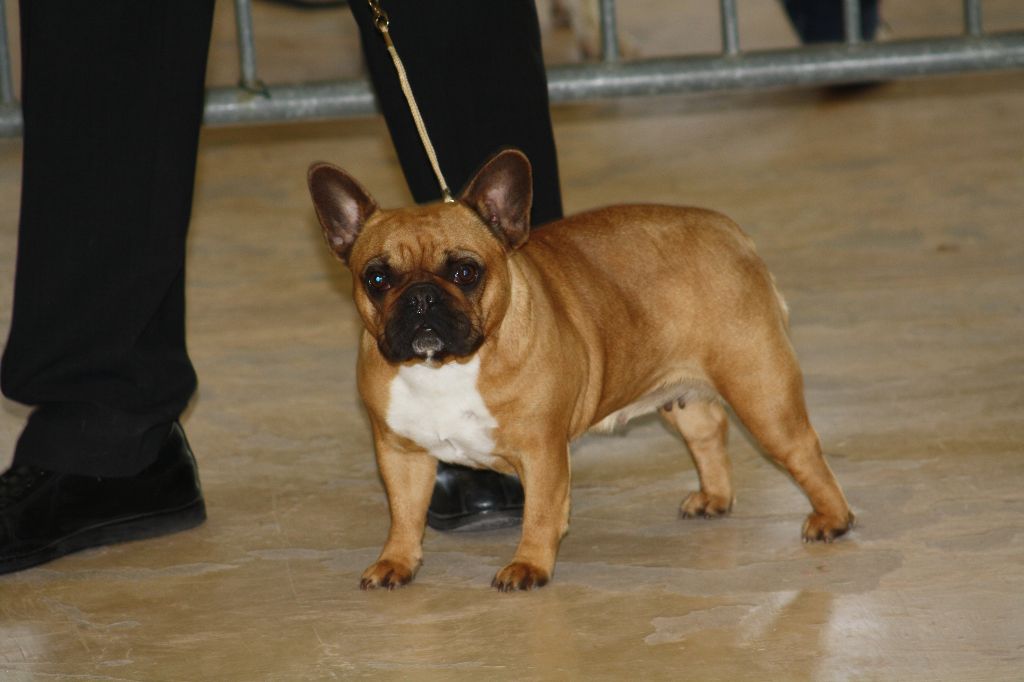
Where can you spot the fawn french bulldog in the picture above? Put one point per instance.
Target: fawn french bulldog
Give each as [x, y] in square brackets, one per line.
[491, 346]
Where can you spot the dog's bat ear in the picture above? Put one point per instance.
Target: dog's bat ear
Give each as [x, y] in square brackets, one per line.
[501, 193]
[342, 205]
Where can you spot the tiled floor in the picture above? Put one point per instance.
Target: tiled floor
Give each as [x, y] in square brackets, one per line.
[892, 219]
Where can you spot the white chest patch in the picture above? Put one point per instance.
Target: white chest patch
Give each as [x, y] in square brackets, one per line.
[441, 410]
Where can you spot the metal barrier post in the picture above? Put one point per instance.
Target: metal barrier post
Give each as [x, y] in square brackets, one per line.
[851, 21]
[730, 28]
[6, 82]
[972, 18]
[246, 48]
[609, 32]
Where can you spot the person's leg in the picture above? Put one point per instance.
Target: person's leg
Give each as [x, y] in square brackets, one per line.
[821, 21]
[112, 102]
[477, 73]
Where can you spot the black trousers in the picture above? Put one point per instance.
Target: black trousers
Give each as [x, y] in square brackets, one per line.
[112, 101]
[477, 72]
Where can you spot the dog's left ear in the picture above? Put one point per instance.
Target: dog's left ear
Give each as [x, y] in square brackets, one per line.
[342, 205]
[501, 193]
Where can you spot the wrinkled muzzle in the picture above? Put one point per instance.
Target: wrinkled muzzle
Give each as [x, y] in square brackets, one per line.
[426, 323]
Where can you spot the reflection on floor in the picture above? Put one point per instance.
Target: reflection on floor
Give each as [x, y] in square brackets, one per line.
[892, 219]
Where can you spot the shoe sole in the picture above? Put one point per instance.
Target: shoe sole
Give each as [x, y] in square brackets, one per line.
[481, 521]
[123, 530]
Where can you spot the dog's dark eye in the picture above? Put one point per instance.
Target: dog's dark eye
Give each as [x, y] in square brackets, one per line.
[465, 274]
[378, 281]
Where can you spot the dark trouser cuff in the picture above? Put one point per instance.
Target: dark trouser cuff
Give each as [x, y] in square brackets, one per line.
[90, 440]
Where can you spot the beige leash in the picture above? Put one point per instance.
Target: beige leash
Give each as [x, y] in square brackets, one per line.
[381, 21]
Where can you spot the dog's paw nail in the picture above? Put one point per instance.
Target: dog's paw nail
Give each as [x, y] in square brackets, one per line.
[519, 576]
[819, 528]
[700, 505]
[385, 574]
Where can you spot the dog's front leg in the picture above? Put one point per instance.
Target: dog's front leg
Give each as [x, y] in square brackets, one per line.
[545, 478]
[409, 482]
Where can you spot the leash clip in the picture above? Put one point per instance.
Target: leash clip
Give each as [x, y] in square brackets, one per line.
[380, 17]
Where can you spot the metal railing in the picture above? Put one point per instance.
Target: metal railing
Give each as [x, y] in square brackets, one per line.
[851, 61]
[8, 105]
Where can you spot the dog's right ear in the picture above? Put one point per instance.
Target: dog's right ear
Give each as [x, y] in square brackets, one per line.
[342, 205]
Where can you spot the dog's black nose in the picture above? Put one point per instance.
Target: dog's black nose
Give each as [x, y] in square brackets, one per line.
[422, 297]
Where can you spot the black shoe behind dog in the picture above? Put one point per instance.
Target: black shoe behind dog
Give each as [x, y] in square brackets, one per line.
[471, 499]
[45, 515]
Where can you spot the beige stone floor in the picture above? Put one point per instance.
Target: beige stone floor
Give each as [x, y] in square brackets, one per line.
[892, 219]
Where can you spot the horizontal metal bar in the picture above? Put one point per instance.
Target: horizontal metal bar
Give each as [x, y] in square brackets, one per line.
[832, 64]
[10, 120]
[339, 99]
[806, 66]
[797, 67]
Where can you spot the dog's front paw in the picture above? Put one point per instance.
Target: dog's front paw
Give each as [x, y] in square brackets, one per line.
[519, 575]
[387, 574]
[825, 528]
[702, 505]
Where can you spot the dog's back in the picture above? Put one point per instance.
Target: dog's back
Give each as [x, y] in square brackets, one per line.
[652, 250]
[689, 282]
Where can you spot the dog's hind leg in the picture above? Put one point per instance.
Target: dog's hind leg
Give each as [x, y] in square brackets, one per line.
[705, 428]
[765, 389]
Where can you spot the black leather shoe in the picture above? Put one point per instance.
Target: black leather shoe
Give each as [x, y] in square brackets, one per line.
[45, 515]
[472, 499]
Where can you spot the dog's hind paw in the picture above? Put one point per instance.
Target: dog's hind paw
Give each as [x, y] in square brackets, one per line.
[387, 574]
[702, 505]
[519, 575]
